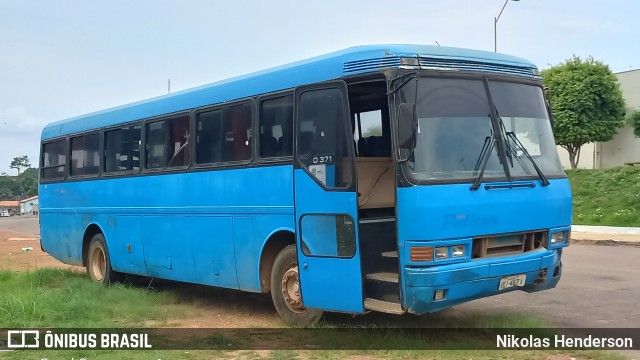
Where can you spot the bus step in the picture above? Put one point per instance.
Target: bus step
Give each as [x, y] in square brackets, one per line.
[390, 254]
[383, 306]
[383, 276]
[377, 220]
[382, 290]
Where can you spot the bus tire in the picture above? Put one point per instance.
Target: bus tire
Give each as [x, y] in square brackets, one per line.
[285, 290]
[99, 263]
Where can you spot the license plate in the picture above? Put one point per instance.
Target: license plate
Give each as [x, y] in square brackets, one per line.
[512, 281]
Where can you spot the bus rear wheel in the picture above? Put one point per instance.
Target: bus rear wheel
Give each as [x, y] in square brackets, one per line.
[285, 290]
[99, 262]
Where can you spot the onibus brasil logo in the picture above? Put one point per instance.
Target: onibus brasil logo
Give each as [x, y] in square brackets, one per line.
[33, 339]
[23, 339]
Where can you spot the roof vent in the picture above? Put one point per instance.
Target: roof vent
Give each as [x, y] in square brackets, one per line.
[448, 64]
[371, 64]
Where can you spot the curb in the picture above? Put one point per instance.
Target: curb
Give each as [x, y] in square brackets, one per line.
[606, 229]
[605, 238]
[604, 242]
[605, 235]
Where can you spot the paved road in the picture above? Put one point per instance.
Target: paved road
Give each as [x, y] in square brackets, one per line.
[600, 287]
[26, 225]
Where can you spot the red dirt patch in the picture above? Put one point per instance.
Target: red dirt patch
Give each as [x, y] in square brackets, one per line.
[13, 258]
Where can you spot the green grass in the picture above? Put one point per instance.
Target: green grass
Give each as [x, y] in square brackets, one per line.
[64, 298]
[609, 197]
[315, 355]
[465, 354]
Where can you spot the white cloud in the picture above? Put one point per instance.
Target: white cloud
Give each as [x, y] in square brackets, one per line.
[19, 135]
[17, 121]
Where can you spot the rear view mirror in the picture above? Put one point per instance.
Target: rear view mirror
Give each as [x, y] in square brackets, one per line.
[407, 125]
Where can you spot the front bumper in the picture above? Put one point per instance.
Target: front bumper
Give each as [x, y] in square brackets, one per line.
[477, 279]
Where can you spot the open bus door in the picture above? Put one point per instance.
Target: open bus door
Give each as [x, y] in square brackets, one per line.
[325, 200]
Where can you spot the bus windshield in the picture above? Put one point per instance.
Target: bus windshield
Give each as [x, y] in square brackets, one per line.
[455, 129]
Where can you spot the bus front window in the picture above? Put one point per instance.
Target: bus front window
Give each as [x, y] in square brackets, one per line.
[523, 115]
[455, 128]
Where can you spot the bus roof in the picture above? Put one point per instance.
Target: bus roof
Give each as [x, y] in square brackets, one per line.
[351, 61]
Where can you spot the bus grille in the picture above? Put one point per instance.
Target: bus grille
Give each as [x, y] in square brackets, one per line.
[446, 64]
[508, 244]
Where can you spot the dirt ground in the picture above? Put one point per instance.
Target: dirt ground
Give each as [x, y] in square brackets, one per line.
[14, 258]
[213, 307]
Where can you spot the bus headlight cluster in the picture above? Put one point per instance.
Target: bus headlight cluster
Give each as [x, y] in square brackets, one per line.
[437, 253]
[559, 237]
[443, 252]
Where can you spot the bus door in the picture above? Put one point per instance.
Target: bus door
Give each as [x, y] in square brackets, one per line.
[325, 200]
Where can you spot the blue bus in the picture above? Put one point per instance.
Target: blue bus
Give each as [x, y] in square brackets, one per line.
[390, 178]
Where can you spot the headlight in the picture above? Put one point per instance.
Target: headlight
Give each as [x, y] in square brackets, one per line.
[457, 251]
[442, 252]
[559, 237]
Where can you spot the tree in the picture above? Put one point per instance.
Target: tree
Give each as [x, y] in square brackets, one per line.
[28, 183]
[19, 163]
[372, 131]
[9, 189]
[634, 121]
[587, 103]
[19, 187]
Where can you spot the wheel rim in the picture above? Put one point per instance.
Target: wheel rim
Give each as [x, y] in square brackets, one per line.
[291, 290]
[98, 264]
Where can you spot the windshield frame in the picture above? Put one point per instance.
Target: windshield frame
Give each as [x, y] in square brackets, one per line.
[397, 80]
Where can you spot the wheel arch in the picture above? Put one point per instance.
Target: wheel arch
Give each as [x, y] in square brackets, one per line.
[276, 241]
[91, 230]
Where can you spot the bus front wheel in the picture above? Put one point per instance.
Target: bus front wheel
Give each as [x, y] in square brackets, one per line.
[285, 290]
[99, 262]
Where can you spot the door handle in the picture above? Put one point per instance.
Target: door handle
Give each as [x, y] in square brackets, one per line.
[305, 266]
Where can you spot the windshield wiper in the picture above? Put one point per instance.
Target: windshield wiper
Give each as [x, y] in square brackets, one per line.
[511, 135]
[483, 159]
[509, 152]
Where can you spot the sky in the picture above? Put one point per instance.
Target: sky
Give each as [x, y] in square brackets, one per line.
[60, 59]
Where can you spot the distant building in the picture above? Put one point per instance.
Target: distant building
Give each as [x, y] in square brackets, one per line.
[29, 206]
[9, 207]
[624, 147]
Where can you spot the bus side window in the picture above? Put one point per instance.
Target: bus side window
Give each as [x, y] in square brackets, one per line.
[54, 159]
[179, 142]
[372, 142]
[224, 135]
[85, 155]
[155, 134]
[237, 122]
[167, 143]
[208, 137]
[122, 149]
[328, 235]
[321, 120]
[276, 127]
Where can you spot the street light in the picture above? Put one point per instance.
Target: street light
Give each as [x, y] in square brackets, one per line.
[495, 26]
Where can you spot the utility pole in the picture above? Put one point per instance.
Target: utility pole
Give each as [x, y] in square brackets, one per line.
[495, 26]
